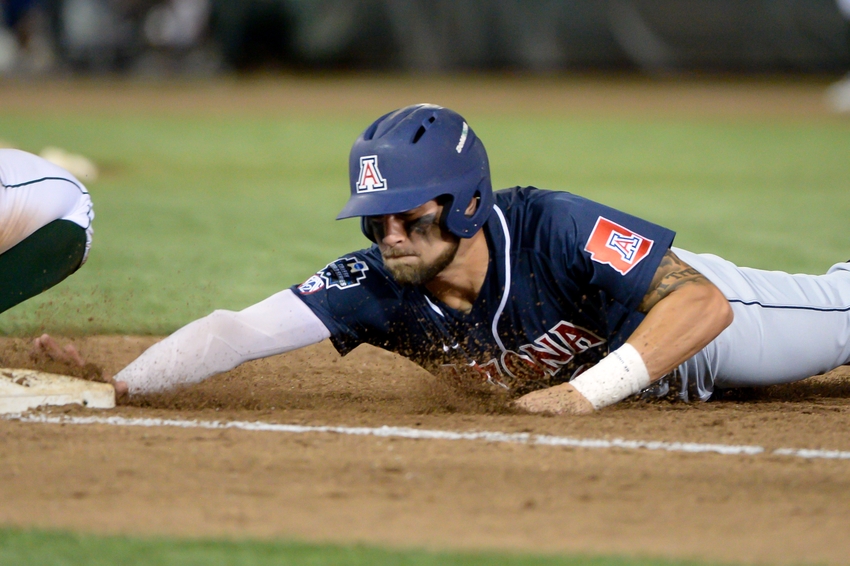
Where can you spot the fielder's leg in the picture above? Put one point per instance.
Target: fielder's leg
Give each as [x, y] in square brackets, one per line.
[43, 259]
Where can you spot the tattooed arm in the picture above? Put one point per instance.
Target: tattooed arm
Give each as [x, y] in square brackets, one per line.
[684, 312]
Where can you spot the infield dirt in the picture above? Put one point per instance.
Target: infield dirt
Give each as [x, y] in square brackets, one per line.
[435, 494]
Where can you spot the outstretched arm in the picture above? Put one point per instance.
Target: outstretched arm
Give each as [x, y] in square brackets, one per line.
[684, 312]
[221, 341]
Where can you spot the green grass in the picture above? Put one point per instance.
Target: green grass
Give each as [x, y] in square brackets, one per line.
[219, 212]
[197, 213]
[40, 548]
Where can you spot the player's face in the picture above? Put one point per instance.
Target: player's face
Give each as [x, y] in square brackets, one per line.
[414, 247]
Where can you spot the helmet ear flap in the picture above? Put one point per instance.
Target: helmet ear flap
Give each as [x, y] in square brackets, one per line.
[446, 201]
[364, 227]
[457, 222]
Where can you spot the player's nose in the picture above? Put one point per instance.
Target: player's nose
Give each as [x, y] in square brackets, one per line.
[393, 230]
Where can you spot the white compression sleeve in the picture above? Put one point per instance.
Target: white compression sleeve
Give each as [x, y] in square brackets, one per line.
[223, 340]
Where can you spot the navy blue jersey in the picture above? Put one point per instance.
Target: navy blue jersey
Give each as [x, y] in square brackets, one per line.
[565, 278]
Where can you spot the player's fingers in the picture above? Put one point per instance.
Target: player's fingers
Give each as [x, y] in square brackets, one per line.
[46, 345]
[122, 390]
[73, 356]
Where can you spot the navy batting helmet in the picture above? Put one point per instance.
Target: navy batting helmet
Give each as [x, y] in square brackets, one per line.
[415, 154]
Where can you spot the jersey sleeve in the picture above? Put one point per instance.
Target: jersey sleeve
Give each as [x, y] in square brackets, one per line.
[605, 248]
[353, 299]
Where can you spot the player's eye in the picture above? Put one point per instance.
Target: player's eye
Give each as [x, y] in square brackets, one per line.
[420, 225]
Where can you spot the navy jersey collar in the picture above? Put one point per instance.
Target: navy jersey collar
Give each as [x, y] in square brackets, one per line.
[500, 239]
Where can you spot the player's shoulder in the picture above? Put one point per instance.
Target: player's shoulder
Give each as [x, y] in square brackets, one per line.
[532, 200]
[530, 207]
[363, 269]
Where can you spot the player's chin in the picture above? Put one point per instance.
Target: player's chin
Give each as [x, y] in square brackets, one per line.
[405, 272]
[402, 263]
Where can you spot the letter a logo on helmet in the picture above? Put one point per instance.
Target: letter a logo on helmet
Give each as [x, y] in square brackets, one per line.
[370, 178]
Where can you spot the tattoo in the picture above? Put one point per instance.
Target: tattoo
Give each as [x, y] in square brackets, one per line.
[671, 274]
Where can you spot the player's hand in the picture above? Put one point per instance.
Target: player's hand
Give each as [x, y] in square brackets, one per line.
[122, 391]
[46, 346]
[561, 399]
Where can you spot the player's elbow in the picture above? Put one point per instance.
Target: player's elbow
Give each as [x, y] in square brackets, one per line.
[728, 313]
[717, 307]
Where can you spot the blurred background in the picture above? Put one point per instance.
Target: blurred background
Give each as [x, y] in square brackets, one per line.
[204, 37]
[209, 37]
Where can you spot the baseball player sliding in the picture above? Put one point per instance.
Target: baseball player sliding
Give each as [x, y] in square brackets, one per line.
[567, 304]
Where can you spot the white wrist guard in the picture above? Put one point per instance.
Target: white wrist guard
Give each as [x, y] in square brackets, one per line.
[620, 374]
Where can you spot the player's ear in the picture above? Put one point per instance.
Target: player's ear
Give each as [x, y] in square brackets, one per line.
[472, 207]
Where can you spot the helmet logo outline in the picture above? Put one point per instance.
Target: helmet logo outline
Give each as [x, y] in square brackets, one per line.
[370, 178]
[464, 132]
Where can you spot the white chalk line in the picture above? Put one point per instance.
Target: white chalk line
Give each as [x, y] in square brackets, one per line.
[426, 434]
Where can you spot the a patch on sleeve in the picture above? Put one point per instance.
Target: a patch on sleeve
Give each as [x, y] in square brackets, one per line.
[344, 273]
[312, 285]
[617, 246]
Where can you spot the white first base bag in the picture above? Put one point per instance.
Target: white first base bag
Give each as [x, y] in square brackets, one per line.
[25, 389]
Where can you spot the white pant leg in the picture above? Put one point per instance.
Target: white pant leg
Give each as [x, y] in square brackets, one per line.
[786, 327]
[34, 193]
